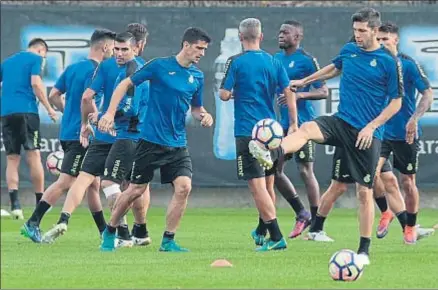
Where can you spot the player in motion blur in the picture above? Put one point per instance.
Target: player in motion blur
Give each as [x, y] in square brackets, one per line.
[99, 156]
[175, 84]
[73, 81]
[21, 87]
[253, 77]
[371, 90]
[299, 64]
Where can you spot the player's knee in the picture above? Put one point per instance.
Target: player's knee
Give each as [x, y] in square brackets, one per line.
[183, 189]
[306, 170]
[408, 183]
[110, 189]
[364, 195]
[64, 181]
[306, 128]
[13, 159]
[337, 189]
[33, 156]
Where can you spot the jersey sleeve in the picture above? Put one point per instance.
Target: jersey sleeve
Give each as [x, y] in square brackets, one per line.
[147, 72]
[229, 79]
[395, 79]
[313, 68]
[60, 84]
[282, 77]
[37, 66]
[337, 61]
[98, 79]
[419, 78]
[198, 97]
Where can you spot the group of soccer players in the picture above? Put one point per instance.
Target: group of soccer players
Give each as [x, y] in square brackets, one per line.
[123, 119]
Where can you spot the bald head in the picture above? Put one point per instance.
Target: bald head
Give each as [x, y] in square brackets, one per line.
[250, 29]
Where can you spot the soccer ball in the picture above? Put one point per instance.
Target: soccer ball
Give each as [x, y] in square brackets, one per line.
[268, 133]
[54, 162]
[344, 266]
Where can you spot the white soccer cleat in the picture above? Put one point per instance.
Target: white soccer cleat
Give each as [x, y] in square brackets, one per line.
[141, 241]
[363, 259]
[423, 232]
[17, 214]
[54, 233]
[119, 243]
[319, 237]
[262, 155]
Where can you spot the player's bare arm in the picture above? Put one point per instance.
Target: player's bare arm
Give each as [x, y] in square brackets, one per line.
[292, 106]
[88, 106]
[325, 73]
[365, 137]
[314, 94]
[40, 92]
[200, 114]
[225, 95]
[424, 105]
[106, 123]
[56, 99]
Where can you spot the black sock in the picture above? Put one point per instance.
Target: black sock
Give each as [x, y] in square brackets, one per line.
[313, 212]
[13, 196]
[123, 232]
[402, 218]
[139, 231]
[296, 204]
[381, 203]
[38, 196]
[261, 228]
[37, 215]
[364, 245]
[411, 219]
[99, 220]
[111, 230]
[64, 218]
[169, 235]
[274, 230]
[318, 224]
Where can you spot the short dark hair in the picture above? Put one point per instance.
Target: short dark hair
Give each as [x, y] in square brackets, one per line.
[194, 34]
[368, 14]
[102, 35]
[125, 37]
[139, 31]
[294, 23]
[389, 27]
[38, 41]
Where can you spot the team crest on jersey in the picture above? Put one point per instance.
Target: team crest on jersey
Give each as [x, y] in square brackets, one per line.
[373, 63]
[291, 64]
[191, 79]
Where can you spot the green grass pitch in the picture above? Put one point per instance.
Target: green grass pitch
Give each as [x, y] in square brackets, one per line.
[75, 261]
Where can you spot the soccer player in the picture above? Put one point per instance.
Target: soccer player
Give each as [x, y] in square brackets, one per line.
[253, 77]
[371, 90]
[21, 87]
[175, 83]
[72, 82]
[94, 162]
[299, 64]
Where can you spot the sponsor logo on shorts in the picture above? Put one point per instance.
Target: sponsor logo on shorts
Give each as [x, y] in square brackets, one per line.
[35, 138]
[115, 168]
[367, 178]
[311, 149]
[337, 167]
[345, 175]
[75, 166]
[240, 165]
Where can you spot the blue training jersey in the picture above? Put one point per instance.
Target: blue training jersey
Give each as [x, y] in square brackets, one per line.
[299, 65]
[172, 89]
[369, 80]
[414, 79]
[254, 77]
[133, 103]
[16, 74]
[73, 82]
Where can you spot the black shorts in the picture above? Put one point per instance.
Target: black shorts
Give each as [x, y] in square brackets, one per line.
[94, 160]
[360, 163]
[305, 154]
[118, 163]
[73, 156]
[405, 156]
[21, 130]
[172, 162]
[247, 166]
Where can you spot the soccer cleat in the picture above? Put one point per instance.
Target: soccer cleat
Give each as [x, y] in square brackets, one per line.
[270, 245]
[423, 232]
[363, 258]
[320, 236]
[410, 235]
[258, 239]
[32, 232]
[385, 221]
[303, 220]
[17, 214]
[123, 243]
[108, 241]
[54, 233]
[169, 245]
[141, 241]
[262, 155]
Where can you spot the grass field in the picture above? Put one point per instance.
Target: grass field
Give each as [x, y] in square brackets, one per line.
[75, 261]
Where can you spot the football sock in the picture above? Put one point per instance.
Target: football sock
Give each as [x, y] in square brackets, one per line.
[318, 224]
[139, 231]
[40, 210]
[261, 229]
[111, 230]
[99, 220]
[381, 203]
[38, 196]
[402, 218]
[123, 232]
[411, 219]
[364, 245]
[274, 231]
[65, 216]
[313, 212]
[13, 196]
[168, 235]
